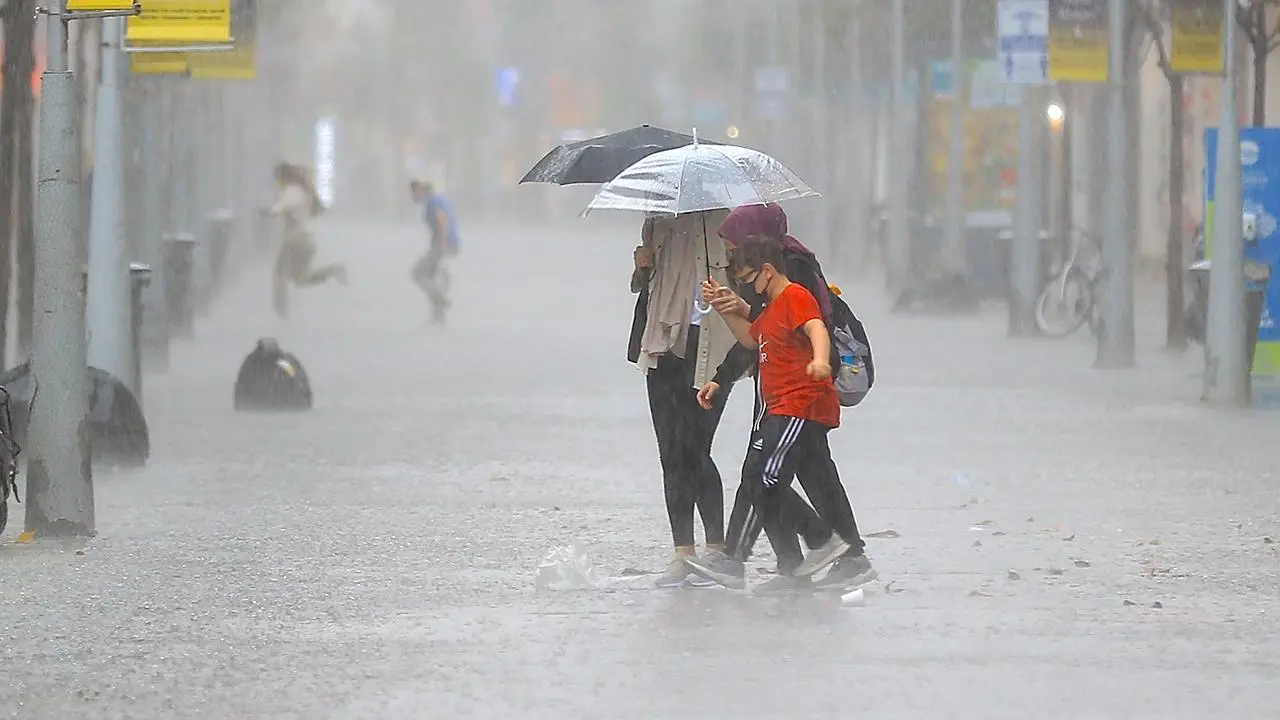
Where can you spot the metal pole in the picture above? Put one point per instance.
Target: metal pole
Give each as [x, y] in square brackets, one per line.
[1225, 364]
[821, 130]
[109, 292]
[740, 65]
[59, 479]
[1115, 334]
[857, 168]
[155, 315]
[899, 249]
[1024, 255]
[954, 258]
[795, 66]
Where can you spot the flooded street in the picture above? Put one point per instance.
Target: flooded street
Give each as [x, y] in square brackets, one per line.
[1066, 542]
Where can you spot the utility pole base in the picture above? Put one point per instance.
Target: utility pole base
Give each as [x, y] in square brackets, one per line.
[59, 478]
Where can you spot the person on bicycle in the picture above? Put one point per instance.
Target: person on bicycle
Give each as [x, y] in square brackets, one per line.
[296, 203]
[431, 272]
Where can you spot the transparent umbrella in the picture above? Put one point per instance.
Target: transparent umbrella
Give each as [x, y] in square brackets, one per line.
[700, 177]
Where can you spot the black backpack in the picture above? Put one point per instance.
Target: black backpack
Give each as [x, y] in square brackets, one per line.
[271, 379]
[849, 339]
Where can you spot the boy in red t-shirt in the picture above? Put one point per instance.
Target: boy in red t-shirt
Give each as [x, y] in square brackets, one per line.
[800, 408]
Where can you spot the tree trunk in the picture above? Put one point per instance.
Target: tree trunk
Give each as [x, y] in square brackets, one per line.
[1175, 249]
[1260, 41]
[25, 27]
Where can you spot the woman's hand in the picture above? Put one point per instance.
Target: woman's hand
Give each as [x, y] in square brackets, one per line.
[707, 393]
[643, 257]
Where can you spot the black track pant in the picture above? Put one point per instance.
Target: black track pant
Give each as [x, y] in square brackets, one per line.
[684, 431]
[781, 449]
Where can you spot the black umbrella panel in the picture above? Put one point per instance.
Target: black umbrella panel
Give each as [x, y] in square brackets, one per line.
[600, 159]
[118, 433]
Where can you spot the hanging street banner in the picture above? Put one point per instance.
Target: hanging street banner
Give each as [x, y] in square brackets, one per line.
[239, 63]
[181, 22]
[990, 160]
[1195, 44]
[160, 63]
[1078, 41]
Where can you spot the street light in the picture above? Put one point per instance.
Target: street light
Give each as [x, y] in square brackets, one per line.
[1056, 115]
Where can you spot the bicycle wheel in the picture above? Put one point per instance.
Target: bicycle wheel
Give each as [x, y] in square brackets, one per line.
[1064, 304]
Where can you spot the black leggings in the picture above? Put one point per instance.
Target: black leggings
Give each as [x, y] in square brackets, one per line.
[684, 431]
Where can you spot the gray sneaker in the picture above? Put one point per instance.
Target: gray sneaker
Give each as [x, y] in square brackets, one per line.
[849, 572]
[719, 567]
[820, 558]
[675, 574]
[782, 583]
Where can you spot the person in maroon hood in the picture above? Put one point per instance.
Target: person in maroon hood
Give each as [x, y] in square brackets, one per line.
[745, 525]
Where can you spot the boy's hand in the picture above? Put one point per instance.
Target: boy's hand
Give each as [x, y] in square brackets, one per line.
[706, 393]
[819, 370]
[643, 257]
[722, 299]
[730, 304]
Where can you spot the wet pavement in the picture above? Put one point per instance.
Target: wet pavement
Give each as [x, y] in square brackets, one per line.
[1070, 543]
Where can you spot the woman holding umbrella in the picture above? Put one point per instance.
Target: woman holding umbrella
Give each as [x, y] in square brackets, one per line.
[678, 344]
[685, 193]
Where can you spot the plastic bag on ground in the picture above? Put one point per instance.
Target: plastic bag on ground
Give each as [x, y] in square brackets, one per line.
[570, 568]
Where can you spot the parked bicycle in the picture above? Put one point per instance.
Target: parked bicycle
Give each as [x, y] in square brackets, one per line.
[1069, 299]
[9, 451]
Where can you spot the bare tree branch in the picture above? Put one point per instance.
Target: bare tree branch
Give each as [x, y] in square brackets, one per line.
[1244, 16]
[1149, 13]
[1275, 27]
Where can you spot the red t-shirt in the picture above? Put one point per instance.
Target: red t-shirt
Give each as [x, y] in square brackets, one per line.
[785, 354]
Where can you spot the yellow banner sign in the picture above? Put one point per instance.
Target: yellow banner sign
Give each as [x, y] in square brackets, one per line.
[98, 5]
[181, 22]
[158, 63]
[1196, 37]
[239, 63]
[1078, 41]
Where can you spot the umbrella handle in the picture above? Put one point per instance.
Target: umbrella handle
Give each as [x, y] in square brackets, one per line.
[700, 307]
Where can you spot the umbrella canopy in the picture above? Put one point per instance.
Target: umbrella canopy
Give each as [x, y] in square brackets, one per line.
[118, 434]
[700, 177]
[598, 160]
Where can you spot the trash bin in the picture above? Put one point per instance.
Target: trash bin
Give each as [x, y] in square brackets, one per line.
[1256, 278]
[179, 254]
[139, 278]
